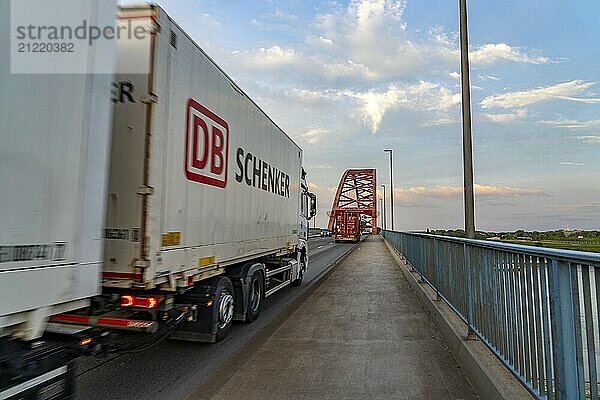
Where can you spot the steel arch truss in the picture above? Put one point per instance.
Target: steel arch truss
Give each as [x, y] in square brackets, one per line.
[357, 192]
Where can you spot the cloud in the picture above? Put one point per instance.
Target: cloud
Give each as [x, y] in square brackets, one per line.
[591, 139]
[572, 124]
[421, 96]
[273, 57]
[320, 166]
[441, 121]
[493, 52]
[313, 136]
[373, 104]
[368, 40]
[570, 163]
[488, 77]
[567, 91]
[519, 114]
[418, 193]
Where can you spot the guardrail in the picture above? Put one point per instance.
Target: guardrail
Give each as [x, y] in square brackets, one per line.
[535, 308]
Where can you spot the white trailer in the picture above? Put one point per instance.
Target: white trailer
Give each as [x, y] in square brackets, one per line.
[54, 136]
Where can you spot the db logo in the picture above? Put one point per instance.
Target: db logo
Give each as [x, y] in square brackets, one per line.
[206, 146]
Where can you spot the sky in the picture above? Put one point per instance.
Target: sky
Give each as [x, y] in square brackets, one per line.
[346, 79]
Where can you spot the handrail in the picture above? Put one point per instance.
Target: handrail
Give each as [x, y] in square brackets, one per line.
[584, 256]
[535, 308]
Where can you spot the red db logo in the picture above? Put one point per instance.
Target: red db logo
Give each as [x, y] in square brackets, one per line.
[206, 146]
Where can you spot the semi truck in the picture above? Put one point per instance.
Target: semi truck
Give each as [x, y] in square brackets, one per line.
[158, 201]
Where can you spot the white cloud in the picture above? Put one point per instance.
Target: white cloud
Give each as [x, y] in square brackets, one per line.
[570, 163]
[441, 121]
[369, 40]
[421, 96]
[493, 52]
[567, 91]
[269, 58]
[313, 136]
[373, 104]
[518, 114]
[417, 193]
[572, 124]
[488, 77]
[591, 139]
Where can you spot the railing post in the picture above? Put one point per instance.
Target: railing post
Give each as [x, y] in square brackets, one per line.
[436, 254]
[422, 259]
[469, 300]
[563, 330]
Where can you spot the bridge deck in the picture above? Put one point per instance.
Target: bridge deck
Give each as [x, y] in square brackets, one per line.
[362, 334]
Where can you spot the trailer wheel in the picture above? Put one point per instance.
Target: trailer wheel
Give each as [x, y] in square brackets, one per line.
[255, 296]
[224, 306]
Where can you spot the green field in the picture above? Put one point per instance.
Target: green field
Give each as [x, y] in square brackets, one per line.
[558, 239]
[566, 245]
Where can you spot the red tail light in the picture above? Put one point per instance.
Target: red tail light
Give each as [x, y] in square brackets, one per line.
[141, 302]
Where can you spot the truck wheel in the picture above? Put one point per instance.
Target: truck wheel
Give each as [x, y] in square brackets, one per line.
[255, 296]
[224, 306]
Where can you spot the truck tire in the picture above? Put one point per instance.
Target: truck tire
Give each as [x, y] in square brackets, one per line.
[256, 295]
[223, 307]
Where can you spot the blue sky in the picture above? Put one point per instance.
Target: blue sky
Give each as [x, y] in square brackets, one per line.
[348, 79]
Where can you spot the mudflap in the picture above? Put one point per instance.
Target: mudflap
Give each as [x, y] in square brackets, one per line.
[203, 329]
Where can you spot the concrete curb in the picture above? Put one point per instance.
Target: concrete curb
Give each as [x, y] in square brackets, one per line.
[490, 378]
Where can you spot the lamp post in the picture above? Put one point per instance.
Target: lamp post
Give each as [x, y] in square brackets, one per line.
[391, 185]
[466, 120]
[383, 214]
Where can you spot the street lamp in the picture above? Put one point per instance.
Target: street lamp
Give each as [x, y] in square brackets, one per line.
[383, 214]
[391, 185]
[466, 120]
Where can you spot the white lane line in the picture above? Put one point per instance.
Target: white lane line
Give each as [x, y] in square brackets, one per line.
[319, 246]
[330, 242]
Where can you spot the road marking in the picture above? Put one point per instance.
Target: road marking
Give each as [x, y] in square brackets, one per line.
[330, 242]
[319, 246]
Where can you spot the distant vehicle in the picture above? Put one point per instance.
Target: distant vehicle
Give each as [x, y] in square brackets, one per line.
[347, 224]
[312, 232]
[326, 233]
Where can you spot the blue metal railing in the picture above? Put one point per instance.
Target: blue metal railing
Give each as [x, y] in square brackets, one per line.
[535, 308]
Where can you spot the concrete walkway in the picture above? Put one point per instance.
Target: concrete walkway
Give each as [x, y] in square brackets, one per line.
[362, 335]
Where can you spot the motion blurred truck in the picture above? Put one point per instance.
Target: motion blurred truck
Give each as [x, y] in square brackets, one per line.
[158, 201]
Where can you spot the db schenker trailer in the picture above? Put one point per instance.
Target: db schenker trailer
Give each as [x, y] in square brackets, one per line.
[174, 211]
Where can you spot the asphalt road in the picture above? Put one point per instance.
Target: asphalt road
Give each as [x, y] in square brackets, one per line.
[173, 369]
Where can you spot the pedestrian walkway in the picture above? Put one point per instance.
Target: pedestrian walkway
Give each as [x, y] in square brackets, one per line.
[362, 334]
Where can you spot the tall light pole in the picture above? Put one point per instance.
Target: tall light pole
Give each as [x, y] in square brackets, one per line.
[383, 214]
[391, 185]
[466, 124]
